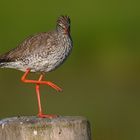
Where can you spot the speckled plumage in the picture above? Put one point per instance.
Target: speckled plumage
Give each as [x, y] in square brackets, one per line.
[42, 52]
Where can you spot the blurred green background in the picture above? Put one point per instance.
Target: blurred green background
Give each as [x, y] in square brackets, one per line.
[101, 79]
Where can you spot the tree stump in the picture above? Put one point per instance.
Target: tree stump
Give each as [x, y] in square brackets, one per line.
[33, 128]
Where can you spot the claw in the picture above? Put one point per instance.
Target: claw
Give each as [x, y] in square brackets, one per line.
[49, 116]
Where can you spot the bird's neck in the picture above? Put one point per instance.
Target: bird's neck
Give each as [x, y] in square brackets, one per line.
[64, 38]
[63, 35]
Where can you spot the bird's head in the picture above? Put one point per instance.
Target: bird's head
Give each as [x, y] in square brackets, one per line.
[63, 24]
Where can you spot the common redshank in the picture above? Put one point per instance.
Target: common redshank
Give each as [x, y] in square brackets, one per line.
[41, 53]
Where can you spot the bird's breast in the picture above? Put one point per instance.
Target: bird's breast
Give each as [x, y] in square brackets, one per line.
[60, 53]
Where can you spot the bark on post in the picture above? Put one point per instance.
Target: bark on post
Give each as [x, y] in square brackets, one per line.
[33, 128]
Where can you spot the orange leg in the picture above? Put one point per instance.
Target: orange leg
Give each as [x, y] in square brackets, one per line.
[23, 79]
[38, 82]
[38, 95]
[40, 114]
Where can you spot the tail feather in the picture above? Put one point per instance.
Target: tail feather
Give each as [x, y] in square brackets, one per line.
[1, 65]
[3, 62]
[4, 59]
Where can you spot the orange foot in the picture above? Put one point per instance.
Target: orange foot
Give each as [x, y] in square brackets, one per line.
[49, 116]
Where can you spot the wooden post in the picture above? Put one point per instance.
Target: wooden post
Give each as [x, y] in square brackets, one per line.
[33, 128]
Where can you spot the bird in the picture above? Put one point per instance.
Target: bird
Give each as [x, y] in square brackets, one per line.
[41, 53]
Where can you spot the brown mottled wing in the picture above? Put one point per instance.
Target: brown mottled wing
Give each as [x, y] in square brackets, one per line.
[30, 45]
